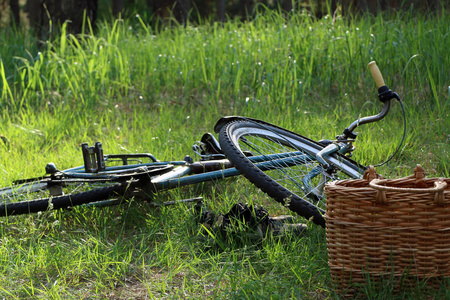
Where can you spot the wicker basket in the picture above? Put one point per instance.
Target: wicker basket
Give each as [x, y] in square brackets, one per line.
[388, 228]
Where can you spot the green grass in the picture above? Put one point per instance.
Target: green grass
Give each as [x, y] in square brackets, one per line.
[140, 90]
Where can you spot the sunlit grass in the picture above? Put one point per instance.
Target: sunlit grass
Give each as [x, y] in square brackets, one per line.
[137, 89]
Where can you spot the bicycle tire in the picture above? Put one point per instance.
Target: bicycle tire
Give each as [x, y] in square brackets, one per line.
[58, 202]
[284, 183]
[71, 188]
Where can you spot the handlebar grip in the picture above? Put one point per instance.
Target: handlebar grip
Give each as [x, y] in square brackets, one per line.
[376, 74]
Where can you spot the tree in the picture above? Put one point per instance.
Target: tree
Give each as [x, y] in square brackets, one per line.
[46, 15]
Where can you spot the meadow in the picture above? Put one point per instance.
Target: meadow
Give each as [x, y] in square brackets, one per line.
[140, 89]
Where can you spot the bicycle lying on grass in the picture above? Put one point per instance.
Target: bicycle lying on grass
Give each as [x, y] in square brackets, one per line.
[287, 166]
[106, 180]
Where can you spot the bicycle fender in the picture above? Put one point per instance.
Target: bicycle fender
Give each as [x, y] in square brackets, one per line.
[227, 119]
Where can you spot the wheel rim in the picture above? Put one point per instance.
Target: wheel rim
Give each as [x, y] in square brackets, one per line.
[305, 179]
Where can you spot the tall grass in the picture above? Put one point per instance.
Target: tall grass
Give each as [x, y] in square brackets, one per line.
[138, 89]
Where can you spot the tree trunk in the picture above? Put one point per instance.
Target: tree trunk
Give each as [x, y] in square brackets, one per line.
[246, 8]
[220, 4]
[286, 5]
[181, 10]
[15, 9]
[117, 8]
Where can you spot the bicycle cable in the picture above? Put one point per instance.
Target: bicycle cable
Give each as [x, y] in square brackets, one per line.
[403, 138]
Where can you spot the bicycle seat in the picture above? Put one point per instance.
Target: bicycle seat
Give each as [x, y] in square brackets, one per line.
[208, 147]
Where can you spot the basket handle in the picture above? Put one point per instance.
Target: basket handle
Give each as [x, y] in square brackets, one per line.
[437, 190]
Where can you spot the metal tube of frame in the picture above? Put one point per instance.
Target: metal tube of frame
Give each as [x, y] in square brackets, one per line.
[173, 179]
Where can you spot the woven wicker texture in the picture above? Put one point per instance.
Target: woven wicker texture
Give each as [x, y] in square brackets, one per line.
[393, 227]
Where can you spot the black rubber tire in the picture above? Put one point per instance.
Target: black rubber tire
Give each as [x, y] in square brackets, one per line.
[58, 202]
[234, 135]
[33, 194]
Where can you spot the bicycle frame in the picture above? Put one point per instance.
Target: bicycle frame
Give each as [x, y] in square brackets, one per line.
[197, 172]
[184, 173]
[174, 178]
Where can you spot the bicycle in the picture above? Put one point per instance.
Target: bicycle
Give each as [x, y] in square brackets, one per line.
[299, 186]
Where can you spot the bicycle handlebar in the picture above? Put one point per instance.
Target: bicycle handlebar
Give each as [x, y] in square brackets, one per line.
[384, 94]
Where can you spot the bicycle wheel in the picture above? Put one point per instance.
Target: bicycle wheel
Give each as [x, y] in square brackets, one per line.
[69, 189]
[292, 175]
